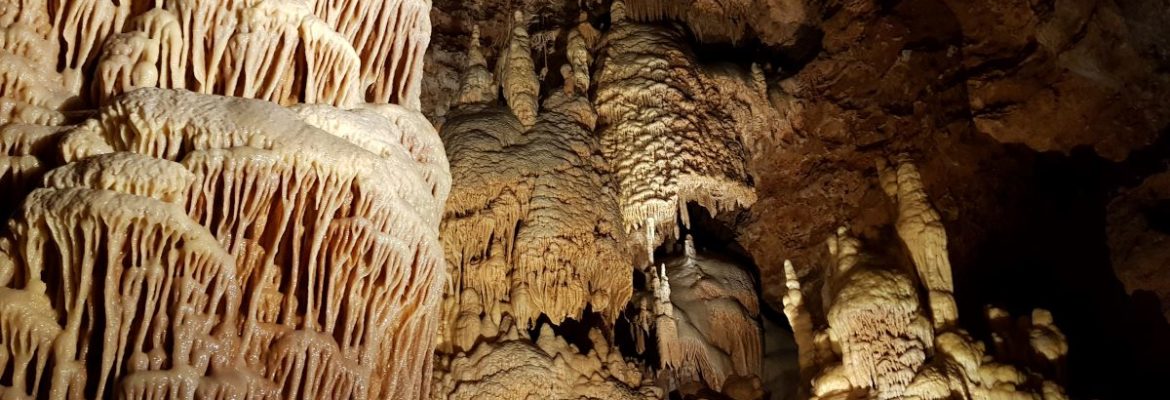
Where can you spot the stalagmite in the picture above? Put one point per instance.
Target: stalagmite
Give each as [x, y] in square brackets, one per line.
[874, 320]
[715, 334]
[578, 51]
[667, 144]
[517, 73]
[801, 322]
[1049, 345]
[886, 345]
[477, 84]
[921, 230]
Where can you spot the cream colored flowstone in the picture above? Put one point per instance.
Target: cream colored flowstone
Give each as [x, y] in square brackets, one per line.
[531, 227]
[338, 52]
[548, 368]
[200, 246]
[668, 142]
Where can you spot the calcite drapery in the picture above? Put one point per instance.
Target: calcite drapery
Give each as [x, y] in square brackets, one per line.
[667, 146]
[339, 52]
[279, 258]
[531, 226]
[775, 22]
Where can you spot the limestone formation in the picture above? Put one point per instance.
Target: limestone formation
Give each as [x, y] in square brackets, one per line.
[882, 344]
[715, 334]
[517, 73]
[548, 368]
[531, 227]
[600, 199]
[667, 146]
[334, 52]
[875, 323]
[774, 22]
[921, 230]
[182, 245]
[244, 285]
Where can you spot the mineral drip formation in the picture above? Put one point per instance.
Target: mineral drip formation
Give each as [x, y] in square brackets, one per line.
[880, 342]
[199, 246]
[337, 52]
[710, 336]
[667, 144]
[548, 368]
[531, 227]
[161, 241]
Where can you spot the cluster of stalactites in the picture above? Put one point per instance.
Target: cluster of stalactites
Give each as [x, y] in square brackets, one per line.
[668, 144]
[31, 91]
[199, 246]
[547, 368]
[337, 52]
[880, 343]
[703, 315]
[532, 227]
[722, 20]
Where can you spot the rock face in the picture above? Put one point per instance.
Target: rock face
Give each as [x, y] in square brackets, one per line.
[1080, 68]
[1137, 237]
